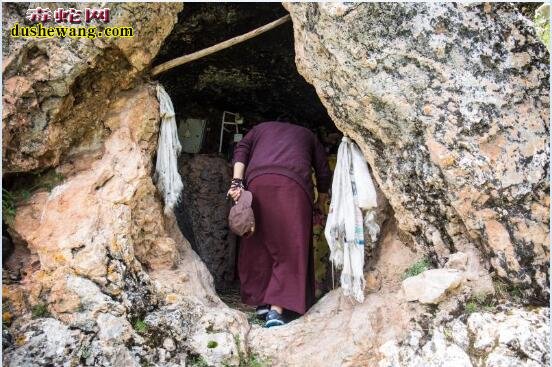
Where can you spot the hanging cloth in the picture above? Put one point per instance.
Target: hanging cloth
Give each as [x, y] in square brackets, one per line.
[352, 189]
[167, 178]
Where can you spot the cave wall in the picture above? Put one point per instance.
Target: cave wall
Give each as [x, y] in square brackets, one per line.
[56, 92]
[450, 105]
[257, 78]
[204, 209]
[102, 277]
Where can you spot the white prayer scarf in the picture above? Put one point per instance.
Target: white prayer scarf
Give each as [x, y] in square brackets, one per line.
[167, 178]
[352, 188]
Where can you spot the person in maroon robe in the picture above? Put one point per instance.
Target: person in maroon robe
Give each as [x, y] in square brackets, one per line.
[275, 264]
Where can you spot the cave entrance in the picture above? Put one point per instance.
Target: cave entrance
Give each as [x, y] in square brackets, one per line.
[258, 80]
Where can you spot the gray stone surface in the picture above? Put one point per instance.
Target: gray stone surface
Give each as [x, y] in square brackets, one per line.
[450, 105]
[203, 214]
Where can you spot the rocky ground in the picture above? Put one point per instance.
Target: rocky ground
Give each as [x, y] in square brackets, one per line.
[450, 106]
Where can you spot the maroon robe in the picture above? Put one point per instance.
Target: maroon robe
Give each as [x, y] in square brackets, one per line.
[276, 264]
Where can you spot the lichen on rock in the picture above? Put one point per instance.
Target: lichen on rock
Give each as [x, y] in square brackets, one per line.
[450, 105]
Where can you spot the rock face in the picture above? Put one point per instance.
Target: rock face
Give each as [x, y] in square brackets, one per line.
[450, 105]
[206, 180]
[55, 93]
[513, 338]
[111, 262]
[99, 276]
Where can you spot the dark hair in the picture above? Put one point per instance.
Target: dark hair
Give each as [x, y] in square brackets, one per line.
[284, 117]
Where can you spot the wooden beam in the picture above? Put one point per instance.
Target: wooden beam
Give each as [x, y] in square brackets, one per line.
[219, 46]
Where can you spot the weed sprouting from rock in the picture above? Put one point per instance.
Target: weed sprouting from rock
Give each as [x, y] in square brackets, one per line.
[417, 268]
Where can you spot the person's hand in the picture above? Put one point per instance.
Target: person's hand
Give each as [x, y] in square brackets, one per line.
[235, 193]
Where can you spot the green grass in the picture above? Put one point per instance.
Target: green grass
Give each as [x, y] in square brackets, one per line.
[252, 360]
[212, 344]
[196, 361]
[507, 291]
[470, 307]
[488, 302]
[480, 302]
[8, 206]
[140, 326]
[253, 319]
[417, 268]
[39, 310]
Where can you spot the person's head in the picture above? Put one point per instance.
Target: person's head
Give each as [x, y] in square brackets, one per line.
[286, 117]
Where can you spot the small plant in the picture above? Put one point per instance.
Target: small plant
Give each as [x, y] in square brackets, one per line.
[417, 268]
[253, 319]
[39, 310]
[515, 292]
[480, 302]
[252, 360]
[470, 307]
[8, 206]
[85, 352]
[34, 182]
[140, 326]
[197, 361]
[448, 334]
[212, 344]
[507, 291]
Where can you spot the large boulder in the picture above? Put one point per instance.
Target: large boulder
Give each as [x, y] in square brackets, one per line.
[450, 106]
[56, 91]
[109, 259]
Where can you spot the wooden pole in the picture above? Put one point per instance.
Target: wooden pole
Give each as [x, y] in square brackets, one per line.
[219, 46]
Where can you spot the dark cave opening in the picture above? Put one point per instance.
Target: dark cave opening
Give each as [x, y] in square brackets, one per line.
[257, 79]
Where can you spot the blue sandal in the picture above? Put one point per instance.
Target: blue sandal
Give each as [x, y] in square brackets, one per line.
[273, 318]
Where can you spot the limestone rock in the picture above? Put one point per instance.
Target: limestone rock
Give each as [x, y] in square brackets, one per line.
[56, 92]
[44, 342]
[432, 285]
[108, 257]
[204, 209]
[458, 261]
[107, 209]
[516, 338]
[435, 353]
[487, 340]
[452, 117]
[113, 329]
